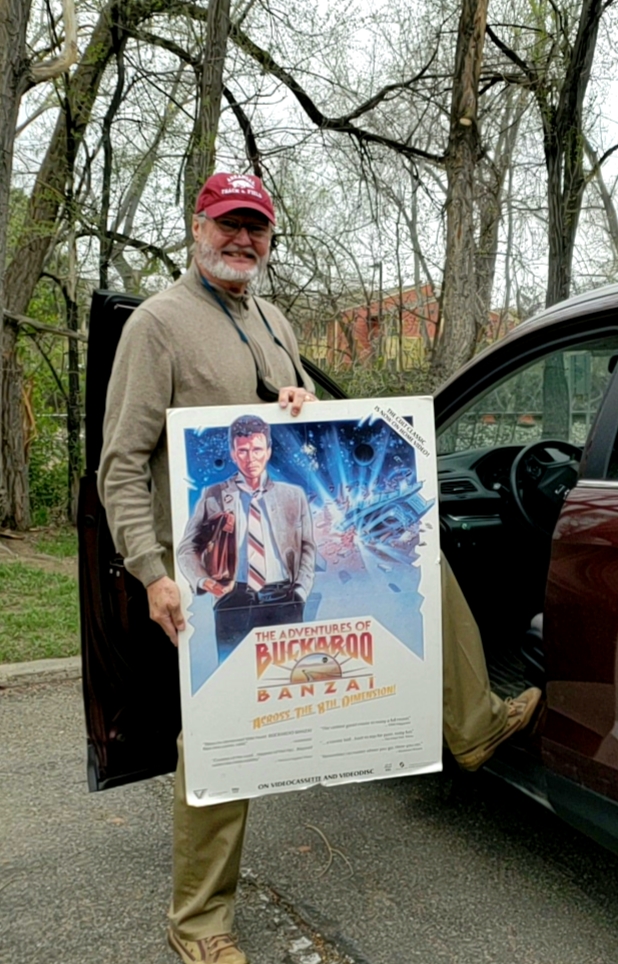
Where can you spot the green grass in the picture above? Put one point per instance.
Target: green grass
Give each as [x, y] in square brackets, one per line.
[60, 541]
[38, 614]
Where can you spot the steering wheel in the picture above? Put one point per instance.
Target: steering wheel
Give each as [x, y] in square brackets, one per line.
[541, 476]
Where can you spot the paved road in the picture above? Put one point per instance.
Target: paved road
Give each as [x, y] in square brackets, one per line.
[423, 870]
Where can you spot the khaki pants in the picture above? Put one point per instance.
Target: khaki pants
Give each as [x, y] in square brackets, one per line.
[208, 840]
[206, 862]
[471, 713]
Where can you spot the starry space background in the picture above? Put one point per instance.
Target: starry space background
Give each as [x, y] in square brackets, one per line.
[369, 516]
[331, 460]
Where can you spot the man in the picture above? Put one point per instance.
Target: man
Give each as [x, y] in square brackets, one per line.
[270, 526]
[206, 341]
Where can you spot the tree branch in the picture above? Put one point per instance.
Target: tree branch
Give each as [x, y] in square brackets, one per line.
[490, 80]
[50, 365]
[606, 197]
[145, 246]
[47, 104]
[267, 62]
[252, 150]
[339, 125]
[166, 44]
[243, 15]
[59, 65]
[383, 94]
[24, 321]
[594, 170]
[515, 58]
[105, 245]
[560, 21]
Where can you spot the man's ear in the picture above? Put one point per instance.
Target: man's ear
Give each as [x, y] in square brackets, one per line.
[195, 227]
[274, 241]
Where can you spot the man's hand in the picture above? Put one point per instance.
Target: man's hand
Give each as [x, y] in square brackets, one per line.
[218, 589]
[296, 397]
[164, 603]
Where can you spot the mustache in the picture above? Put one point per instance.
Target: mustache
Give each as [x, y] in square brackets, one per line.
[238, 249]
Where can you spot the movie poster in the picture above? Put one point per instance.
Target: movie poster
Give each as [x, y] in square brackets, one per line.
[307, 555]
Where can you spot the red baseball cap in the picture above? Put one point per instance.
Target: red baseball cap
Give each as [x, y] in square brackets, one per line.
[223, 193]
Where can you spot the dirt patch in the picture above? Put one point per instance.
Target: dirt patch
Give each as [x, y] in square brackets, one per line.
[23, 549]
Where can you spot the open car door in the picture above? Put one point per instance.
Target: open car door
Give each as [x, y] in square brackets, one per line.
[579, 740]
[130, 668]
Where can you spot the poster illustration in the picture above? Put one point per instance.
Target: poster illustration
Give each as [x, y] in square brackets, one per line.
[307, 555]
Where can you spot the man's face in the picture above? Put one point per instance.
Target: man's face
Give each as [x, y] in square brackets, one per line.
[234, 247]
[251, 455]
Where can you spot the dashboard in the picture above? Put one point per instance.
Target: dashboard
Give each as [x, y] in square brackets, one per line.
[478, 475]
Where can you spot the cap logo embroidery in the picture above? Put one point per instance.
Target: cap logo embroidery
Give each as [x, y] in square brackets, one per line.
[240, 181]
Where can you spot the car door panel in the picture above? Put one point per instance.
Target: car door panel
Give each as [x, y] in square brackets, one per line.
[130, 668]
[579, 738]
[109, 311]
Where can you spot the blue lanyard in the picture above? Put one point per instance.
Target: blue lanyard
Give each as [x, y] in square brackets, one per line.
[243, 337]
[225, 308]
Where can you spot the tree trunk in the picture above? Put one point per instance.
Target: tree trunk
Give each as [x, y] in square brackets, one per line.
[460, 310]
[202, 149]
[17, 509]
[564, 152]
[564, 206]
[14, 16]
[490, 188]
[46, 200]
[566, 181]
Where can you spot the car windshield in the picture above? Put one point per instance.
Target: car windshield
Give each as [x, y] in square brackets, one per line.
[556, 396]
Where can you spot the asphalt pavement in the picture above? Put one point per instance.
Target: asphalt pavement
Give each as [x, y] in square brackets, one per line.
[434, 869]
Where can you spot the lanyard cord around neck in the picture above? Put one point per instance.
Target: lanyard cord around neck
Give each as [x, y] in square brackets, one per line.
[242, 335]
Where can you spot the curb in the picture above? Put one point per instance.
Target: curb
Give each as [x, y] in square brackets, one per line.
[40, 671]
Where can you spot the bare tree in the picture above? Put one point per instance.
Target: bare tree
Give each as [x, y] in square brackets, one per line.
[17, 75]
[559, 82]
[47, 199]
[14, 16]
[560, 89]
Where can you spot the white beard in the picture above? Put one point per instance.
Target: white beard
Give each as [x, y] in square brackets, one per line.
[210, 260]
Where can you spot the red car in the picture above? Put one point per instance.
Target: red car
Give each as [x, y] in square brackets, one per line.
[528, 470]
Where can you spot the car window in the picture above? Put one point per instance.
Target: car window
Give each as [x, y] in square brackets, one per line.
[556, 396]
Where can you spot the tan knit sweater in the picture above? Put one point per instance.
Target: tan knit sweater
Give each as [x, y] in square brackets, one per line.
[178, 349]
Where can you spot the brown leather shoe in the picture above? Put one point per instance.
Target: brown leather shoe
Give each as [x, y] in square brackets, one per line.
[218, 949]
[520, 712]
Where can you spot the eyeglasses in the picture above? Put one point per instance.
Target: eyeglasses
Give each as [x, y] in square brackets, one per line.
[258, 230]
